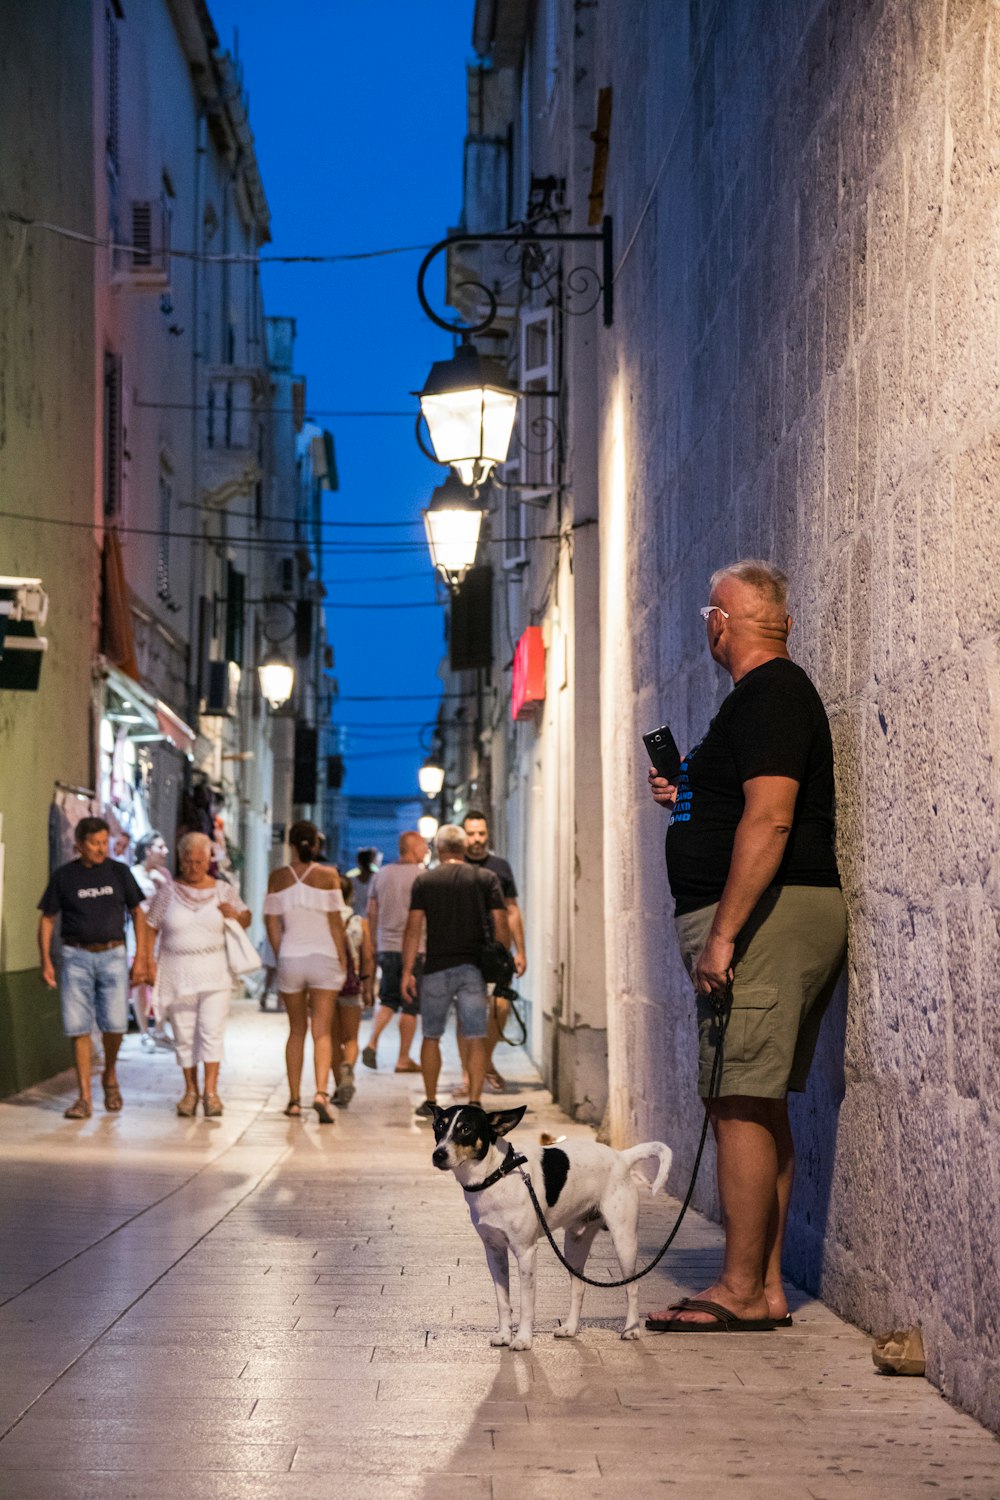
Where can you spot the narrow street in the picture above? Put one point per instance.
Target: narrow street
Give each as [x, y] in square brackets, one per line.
[251, 1307]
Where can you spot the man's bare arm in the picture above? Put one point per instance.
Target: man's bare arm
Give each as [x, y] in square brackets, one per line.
[758, 849]
[501, 926]
[45, 928]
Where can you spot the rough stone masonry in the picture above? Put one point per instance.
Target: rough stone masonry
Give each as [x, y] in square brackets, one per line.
[806, 366]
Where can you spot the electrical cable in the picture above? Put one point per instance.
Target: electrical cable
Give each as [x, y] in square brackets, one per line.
[203, 257]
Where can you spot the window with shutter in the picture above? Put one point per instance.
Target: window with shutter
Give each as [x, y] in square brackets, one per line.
[537, 426]
[112, 67]
[163, 539]
[112, 435]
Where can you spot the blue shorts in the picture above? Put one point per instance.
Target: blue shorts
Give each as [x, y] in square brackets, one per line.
[464, 985]
[93, 991]
[390, 993]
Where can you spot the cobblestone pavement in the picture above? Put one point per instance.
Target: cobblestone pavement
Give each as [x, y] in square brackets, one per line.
[254, 1307]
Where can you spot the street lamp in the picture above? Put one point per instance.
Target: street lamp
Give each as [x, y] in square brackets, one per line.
[427, 826]
[469, 406]
[452, 521]
[277, 678]
[431, 778]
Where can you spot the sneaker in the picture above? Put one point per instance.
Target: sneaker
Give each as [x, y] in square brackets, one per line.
[345, 1089]
[426, 1110]
[368, 1058]
[147, 1042]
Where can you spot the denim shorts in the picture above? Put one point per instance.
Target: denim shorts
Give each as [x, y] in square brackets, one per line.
[389, 992]
[93, 990]
[464, 985]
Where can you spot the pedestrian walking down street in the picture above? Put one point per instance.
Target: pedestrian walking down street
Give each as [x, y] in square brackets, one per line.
[303, 914]
[93, 896]
[451, 902]
[192, 978]
[151, 874]
[361, 878]
[355, 994]
[479, 853]
[760, 917]
[388, 906]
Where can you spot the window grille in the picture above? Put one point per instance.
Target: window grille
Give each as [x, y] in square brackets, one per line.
[112, 84]
[163, 540]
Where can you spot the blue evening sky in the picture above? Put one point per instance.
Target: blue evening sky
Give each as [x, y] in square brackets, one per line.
[358, 111]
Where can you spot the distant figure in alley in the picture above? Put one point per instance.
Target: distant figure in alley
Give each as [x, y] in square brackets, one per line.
[760, 919]
[93, 896]
[388, 907]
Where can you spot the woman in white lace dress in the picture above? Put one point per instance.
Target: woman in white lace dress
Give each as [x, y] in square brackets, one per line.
[193, 982]
[303, 916]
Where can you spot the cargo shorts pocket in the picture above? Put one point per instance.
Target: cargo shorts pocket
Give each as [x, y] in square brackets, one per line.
[753, 1037]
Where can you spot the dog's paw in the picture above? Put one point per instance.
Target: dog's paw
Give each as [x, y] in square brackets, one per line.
[564, 1331]
[521, 1341]
[630, 1333]
[499, 1340]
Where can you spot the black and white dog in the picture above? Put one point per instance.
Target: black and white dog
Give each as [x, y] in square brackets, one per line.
[582, 1186]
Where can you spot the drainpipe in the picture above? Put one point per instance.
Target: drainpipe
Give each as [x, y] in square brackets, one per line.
[197, 546]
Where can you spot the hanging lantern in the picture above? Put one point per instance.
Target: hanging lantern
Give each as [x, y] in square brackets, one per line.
[469, 406]
[277, 678]
[431, 778]
[453, 521]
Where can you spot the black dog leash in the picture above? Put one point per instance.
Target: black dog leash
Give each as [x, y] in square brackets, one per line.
[723, 1006]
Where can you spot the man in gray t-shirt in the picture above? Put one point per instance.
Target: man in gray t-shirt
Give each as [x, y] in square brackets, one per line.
[388, 908]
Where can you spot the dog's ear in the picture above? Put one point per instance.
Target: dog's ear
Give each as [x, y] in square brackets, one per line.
[437, 1112]
[504, 1120]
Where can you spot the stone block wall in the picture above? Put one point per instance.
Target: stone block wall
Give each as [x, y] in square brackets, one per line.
[805, 365]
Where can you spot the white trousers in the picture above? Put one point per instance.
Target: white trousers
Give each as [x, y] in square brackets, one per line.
[198, 1022]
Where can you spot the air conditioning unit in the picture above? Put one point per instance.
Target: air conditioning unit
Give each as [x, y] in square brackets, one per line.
[145, 261]
[24, 606]
[223, 687]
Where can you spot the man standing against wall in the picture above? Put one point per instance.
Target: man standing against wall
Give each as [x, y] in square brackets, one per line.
[388, 907]
[479, 853]
[453, 901]
[759, 912]
[92, 895]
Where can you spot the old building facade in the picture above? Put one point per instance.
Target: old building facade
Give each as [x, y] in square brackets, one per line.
[152, 449]
[804, 364]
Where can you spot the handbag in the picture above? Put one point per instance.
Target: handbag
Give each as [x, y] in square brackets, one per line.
[241, 955]
[494, 960]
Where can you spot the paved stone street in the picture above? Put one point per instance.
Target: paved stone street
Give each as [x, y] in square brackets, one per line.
[252, 1307]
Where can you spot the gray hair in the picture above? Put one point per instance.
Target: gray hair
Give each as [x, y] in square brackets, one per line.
[450, 839]
[763, 577]
[189, 840]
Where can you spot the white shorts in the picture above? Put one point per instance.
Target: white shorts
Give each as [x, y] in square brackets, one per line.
[311, 971]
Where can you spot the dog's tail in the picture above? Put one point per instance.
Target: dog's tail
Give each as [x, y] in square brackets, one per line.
[645, 1152]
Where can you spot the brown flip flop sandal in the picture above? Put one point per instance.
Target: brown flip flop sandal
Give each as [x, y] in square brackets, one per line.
[112, 1097]
[81, 1110]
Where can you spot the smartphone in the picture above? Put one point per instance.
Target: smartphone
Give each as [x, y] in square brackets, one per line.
[663, 753]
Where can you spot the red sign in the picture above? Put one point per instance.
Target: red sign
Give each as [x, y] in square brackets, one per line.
[529, 674]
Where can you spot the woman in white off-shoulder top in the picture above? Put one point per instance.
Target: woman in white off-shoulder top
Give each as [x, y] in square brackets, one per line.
[302, 914]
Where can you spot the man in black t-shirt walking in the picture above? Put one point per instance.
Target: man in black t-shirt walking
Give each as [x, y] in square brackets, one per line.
[461, 906]
[92, 895]
[479, 853]
[760, 916]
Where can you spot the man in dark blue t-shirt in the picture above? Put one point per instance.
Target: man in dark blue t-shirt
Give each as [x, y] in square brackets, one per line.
[93, 896]
[761, 920]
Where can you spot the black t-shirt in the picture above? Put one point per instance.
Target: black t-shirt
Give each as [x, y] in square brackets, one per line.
[501, 870]
[92, 900]
[453, 898]
[773, 723]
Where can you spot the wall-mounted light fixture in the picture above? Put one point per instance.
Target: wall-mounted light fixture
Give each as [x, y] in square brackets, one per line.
[276, 677]
[427, 826]
[469, 405]
[453, 521]
[431, 778]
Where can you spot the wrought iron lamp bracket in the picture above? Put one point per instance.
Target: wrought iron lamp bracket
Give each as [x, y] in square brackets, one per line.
[531, 246]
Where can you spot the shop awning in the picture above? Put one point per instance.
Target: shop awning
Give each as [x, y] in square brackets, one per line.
[143, 716]
[180, 735]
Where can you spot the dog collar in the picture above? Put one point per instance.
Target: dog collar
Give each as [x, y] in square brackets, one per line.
[509, 1164]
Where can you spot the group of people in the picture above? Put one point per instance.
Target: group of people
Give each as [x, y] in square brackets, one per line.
[175, 967]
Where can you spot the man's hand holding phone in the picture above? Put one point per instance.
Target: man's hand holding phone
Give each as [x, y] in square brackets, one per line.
[664, 792]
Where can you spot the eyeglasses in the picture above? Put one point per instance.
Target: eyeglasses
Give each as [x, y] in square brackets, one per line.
[706, 610]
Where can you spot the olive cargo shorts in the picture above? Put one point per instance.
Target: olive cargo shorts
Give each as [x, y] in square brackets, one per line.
[787, 963]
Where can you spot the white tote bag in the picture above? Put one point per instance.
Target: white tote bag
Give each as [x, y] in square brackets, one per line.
[241, 955]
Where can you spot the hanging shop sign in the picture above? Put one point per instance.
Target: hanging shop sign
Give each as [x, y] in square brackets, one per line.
[529, 674]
